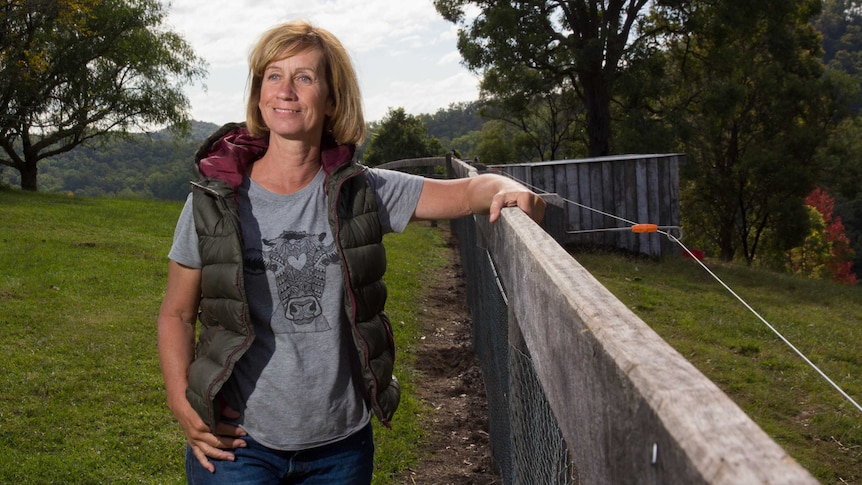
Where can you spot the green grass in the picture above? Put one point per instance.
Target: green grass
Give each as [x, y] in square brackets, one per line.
[411, 258]
[771, 383]
[81, 396]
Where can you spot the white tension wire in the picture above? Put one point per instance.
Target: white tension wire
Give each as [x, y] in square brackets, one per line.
[666, 230]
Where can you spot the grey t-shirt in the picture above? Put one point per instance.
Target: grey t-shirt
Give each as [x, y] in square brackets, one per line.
[296, 387]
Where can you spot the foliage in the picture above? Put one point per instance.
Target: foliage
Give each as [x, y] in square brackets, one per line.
[458, 120]
[841, 158]
[549, 117]
[850, 211]
[643, 119]
[501, 143]
[730, 346]
[148, 165]
[400, 136]
[158, 164]
[577, 45]
[739, 87]
[73, 70]
[752, 109]
[83, 400]
[466, 147]
[840, 24]
[811, 258]
[458, 127]
[839, 255]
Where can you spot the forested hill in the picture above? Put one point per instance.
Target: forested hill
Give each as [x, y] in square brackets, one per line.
[159, 165]
[150, 165]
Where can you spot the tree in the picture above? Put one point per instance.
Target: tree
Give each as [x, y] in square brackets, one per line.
[753, 108]
[457, 120]
[811, 258]
[580, 45]
[72, 71]
[841, 157]
[840, 260]
[400, 136]
[501, 143]
[548, 115]
[840, 24]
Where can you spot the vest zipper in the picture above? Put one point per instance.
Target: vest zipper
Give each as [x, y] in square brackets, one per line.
[221, 203]
[373, 396]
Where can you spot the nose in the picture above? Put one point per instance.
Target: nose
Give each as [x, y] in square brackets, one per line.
[303, 308]
[286, 90]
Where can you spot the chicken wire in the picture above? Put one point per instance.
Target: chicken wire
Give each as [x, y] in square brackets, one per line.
[526, 442]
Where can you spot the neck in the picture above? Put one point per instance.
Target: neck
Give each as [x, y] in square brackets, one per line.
[286, 167]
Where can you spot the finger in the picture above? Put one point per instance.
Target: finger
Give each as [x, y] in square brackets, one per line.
[227, 429]
[202, 459]
[540, 214]
[230, 413]
[533, 206]
[216, 451]
[228, 442]
[497, 204]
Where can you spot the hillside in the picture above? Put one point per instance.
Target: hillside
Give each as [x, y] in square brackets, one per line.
[158, 165]
[146, 165]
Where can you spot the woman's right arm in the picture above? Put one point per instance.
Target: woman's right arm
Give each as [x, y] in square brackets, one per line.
[176, 342]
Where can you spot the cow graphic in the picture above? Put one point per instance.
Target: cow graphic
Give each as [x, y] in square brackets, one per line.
[299, 260]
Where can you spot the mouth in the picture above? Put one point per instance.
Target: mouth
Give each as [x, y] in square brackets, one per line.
[284, 110]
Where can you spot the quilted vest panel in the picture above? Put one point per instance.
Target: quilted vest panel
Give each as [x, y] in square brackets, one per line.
[226, 332]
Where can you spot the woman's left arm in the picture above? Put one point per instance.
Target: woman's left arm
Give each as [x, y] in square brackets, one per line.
[484, 194]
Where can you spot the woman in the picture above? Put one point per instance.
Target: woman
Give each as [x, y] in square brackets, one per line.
[279, 253]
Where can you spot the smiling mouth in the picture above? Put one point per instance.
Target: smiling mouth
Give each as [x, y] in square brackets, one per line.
[281, 110]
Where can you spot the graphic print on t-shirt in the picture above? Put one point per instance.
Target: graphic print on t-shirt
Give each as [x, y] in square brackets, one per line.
[298, 261]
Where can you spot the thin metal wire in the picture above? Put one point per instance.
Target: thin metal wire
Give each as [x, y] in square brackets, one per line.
[765, 322]
[661, 230]
[676, 240]
[597, 211]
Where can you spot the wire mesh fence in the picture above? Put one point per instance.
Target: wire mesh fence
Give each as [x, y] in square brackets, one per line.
[526, 441]
[629, 408]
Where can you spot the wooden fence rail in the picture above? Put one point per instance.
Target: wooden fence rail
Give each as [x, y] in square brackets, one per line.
[629, 407]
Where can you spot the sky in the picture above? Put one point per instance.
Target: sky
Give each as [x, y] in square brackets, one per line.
[404, 52]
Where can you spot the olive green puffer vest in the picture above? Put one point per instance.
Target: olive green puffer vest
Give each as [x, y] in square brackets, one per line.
[226, 329]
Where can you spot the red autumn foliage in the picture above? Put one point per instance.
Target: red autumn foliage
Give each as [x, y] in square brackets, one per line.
[841, 262]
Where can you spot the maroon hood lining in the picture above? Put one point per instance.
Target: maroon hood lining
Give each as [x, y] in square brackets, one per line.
[229, 152]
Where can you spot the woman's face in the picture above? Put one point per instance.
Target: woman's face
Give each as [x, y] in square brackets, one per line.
[294, 97]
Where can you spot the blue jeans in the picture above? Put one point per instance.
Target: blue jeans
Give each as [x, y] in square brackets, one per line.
[349, 461]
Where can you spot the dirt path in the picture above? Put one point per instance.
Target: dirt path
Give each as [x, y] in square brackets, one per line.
[456, 450]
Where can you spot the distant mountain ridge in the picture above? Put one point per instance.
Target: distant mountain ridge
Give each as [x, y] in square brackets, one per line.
[156, 165]
[159, 164]
[199, 130]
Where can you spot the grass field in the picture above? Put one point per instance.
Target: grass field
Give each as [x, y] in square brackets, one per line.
[733, 348]
[81, 397]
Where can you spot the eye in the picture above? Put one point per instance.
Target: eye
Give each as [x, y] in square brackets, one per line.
[304, 79]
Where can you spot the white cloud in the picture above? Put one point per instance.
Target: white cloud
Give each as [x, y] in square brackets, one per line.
[421, 96]
[404, 52]
[453, 57]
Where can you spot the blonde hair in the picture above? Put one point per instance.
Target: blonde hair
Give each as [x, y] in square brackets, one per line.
[347, 124]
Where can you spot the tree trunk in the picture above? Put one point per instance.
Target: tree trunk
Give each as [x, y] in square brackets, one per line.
[29, 173]
[725, 242]
[598, 104]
